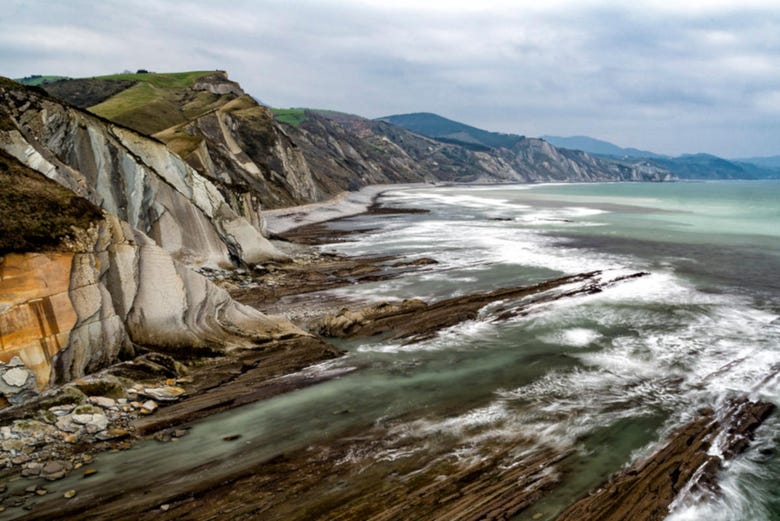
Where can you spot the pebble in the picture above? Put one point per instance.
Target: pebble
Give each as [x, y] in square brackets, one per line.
[231, 437]
[103, 401]
[20, 459]
[538, 515]
[41, 491]
[112, 433]
[69, 494]
[89, 472]
[165, 507]
[169, 393]
[12, 444]
[54, 470]
[148, 407]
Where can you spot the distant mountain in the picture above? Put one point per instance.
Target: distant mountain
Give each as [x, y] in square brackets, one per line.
[449, 131]
[686, 166]
[766, 162]
[597, 146]
[707, 166]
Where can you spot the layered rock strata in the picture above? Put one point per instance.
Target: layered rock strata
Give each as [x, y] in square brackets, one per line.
[98, 289]
[131, 176]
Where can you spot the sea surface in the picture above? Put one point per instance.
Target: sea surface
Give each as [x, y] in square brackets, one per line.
[605, 375]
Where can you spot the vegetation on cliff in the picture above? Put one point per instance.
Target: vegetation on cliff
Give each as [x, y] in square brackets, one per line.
[36, 213]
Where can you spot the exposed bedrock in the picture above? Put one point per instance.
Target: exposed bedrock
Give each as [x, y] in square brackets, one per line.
[70, 313]
[415, 320]
[131, 176]
[689, 460]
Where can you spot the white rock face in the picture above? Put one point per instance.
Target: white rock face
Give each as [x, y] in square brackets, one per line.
[128, 291]
[16, 377]
[128, 282]
[134, 177]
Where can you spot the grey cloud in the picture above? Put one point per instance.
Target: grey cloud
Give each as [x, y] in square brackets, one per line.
[640, 75]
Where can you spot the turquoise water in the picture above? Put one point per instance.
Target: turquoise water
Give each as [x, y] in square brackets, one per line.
[605, 376]
[712, 301]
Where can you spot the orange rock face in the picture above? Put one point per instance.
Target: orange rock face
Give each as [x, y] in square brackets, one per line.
[36, 314]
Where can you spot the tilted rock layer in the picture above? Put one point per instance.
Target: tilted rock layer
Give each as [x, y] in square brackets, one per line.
[81, 290]
[128, 175]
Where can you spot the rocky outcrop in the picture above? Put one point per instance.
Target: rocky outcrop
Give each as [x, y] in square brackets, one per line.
[239, 148]
[97, 293]
[414, 320]
[127, 291]
[131, 176]
[217, 83]
[691, 459]
[36, 313]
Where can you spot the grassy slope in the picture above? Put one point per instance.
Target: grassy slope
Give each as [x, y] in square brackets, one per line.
[37, 81]
[435, 126]
[157, 101]
[35, 212]
[292, 117]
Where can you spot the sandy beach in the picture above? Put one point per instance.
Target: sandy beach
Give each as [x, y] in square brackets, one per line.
[344, 204]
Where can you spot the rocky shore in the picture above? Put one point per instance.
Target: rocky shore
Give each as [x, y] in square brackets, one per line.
[159, 396]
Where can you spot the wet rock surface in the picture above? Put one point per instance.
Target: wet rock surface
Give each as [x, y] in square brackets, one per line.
[415, 320]
[369, 473]
[645, 491]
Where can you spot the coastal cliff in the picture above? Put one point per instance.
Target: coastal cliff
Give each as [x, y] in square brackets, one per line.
[262, 158]
[83, 289]
[131, 176]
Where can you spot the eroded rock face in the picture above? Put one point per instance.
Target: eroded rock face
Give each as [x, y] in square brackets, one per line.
[67, 314]
[36, 313]
[240, 149]
[126, 290]
[131, 176]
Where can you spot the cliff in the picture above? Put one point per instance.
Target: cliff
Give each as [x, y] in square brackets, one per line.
[260, 158]
[131, 176]
[96, 224]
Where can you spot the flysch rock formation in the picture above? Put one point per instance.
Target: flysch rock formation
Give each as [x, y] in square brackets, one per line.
[79, 295]
[239, 148]
[129, 175]
[258, 161]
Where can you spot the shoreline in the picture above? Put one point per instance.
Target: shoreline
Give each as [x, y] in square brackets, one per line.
[345, 204]
[256, 490]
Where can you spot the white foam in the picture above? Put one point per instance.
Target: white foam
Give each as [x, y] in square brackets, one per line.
[663, 344]
[575, 337]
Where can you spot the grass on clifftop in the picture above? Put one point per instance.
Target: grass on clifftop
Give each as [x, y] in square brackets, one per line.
[292, 117]
[37, 80]
[157, 101]
[35, 212]
[162, 80]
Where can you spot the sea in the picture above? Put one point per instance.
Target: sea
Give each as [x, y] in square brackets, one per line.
[610, 374]
[606, 376]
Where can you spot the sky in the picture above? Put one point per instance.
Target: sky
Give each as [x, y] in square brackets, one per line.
[668, 76]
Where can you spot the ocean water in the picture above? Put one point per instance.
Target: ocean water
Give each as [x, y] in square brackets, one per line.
[609, 374]
[605, 376]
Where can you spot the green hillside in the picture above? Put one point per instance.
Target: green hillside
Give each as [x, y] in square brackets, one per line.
[292, 117]
[146, 102]
[447, 130]
[36, 80]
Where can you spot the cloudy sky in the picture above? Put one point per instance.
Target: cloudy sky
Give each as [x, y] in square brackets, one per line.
[669, 76]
